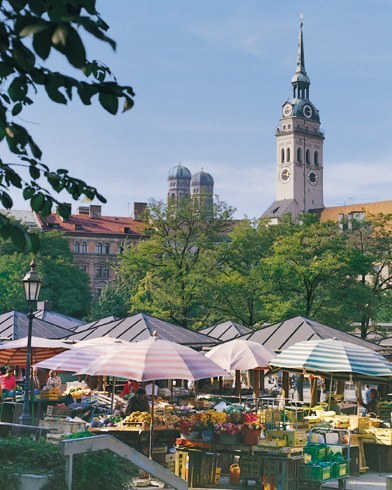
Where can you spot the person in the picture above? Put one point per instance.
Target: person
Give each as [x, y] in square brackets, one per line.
[138, 403]
[54, 381]
[130, 386]
[371, 407]
[8, 382]
[35, 381]
[333, 405]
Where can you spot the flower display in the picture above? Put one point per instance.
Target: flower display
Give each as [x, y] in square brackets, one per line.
[252, 422]
[236, 417]
[228, 428]
[185, 425]
[209, 419]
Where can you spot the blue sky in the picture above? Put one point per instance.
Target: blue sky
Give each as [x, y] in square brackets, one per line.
[210, 77]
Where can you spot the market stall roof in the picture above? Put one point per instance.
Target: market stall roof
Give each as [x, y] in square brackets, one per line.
[226, 331]
[14, 325]
[58, 319]
[281, 335]
[96, 323]
[140, 327]
[14, 352]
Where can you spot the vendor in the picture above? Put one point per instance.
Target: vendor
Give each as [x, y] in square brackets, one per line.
[54, 381]
[138, 403]
[333, 405]
[131, 386]
[371, 407]
[8, 382]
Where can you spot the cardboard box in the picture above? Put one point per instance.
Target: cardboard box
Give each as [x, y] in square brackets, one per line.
[295, 438]
[169, 457]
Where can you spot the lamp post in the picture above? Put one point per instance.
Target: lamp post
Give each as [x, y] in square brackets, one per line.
[32, 285]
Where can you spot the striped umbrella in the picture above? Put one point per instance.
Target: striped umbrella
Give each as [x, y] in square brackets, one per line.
[330, 356]
[79, 354]
[153, 359]
[14, 352]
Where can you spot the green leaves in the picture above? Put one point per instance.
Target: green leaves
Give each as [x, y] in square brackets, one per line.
[109, 102]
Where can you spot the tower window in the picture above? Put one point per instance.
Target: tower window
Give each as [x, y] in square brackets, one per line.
[307, 156]
[316, 158]
[299, 155]
[282, 155]
[288, 155]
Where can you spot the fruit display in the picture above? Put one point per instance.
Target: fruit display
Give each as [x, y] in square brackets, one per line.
[137, 418]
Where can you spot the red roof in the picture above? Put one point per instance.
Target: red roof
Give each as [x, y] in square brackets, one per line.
[82, 223]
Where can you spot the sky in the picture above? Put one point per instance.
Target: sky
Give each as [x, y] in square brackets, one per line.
[210, 77]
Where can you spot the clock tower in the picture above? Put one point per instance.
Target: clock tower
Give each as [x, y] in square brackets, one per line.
[299, 150]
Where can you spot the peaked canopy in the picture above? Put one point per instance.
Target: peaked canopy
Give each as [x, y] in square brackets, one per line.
[14, 352]
[140, 327]
[153, 359]
[14, 325]
[226, 331]
[240, 354]
[333, 356]
[282, 335]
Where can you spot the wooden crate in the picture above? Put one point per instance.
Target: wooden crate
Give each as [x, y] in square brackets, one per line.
[52, 411]
[383, 436]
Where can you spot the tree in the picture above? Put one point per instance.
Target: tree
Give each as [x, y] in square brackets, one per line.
[65, 285]
[242, 285]
[114, 300]
[313, 272]
[373, 241]
[29, 30]
[170, 274]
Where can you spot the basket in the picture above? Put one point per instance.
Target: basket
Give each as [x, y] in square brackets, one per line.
[315, 473]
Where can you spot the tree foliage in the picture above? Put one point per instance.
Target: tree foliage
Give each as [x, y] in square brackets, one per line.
[29, 31]
[65, 285]
[171, 272]
[114, 300]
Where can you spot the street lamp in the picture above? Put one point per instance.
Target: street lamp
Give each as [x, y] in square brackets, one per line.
[32, 285]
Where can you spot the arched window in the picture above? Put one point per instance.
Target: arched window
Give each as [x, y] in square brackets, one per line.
[282, 155]
[84, 248]
[106, 248]
[98, 248]
[76, 247]
[299, 155]
[307, 156]
[316, 158]
[288, 155]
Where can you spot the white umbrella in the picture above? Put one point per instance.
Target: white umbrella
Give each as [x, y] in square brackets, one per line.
[240, 354]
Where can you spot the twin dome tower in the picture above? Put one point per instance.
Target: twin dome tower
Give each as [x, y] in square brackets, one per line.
[182, 185]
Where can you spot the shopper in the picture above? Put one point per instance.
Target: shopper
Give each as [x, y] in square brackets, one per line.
[54, 381]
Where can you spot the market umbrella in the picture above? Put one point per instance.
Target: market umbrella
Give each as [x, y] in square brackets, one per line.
[241, 354]
[335, 358]
[154, 359]
[14, 352]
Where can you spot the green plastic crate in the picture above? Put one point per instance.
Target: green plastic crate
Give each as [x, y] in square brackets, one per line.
[315, 473]
[318, 452]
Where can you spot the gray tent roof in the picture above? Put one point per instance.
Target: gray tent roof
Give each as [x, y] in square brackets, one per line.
[226, 331]
[14, 325]
[281, 335]
[140, 327]
[96, 323]
[58, 319]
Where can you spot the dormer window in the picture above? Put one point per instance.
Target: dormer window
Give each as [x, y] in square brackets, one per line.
[78, 227]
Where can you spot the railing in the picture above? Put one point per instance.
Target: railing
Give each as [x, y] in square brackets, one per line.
[97, 443]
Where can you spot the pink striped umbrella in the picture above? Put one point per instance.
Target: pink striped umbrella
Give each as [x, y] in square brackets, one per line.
[153, 359]
[79, 355]
[14, 352]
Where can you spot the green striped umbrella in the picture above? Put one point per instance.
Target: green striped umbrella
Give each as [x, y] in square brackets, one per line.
[330, 356]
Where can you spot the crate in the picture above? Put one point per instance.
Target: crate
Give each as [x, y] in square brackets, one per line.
[251, 466]
[281, 473]
[343, 469]
[295, 438]
[51, 394]
[318, 452]
[59, 426]
[383, 436]
[272, 443]
[315, 473]
[58, 411]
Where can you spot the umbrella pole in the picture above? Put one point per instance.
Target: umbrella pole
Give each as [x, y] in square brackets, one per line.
[113, 390]
[330, 392]
[152, 420]
[256, 384]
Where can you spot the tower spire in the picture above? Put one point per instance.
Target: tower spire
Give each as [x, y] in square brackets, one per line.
[300, 80]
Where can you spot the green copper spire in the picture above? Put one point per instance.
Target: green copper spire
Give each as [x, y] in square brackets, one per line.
[300, 80]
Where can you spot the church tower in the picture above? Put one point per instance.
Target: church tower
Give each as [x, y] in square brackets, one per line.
[179, 180]
[299, 150]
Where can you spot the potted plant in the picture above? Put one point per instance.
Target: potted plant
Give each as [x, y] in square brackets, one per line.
[252, 428]
[229, 433]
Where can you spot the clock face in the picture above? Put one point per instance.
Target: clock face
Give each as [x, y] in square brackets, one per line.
[287, 110]
[285, 174]
[307, 111]
[312, 177]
